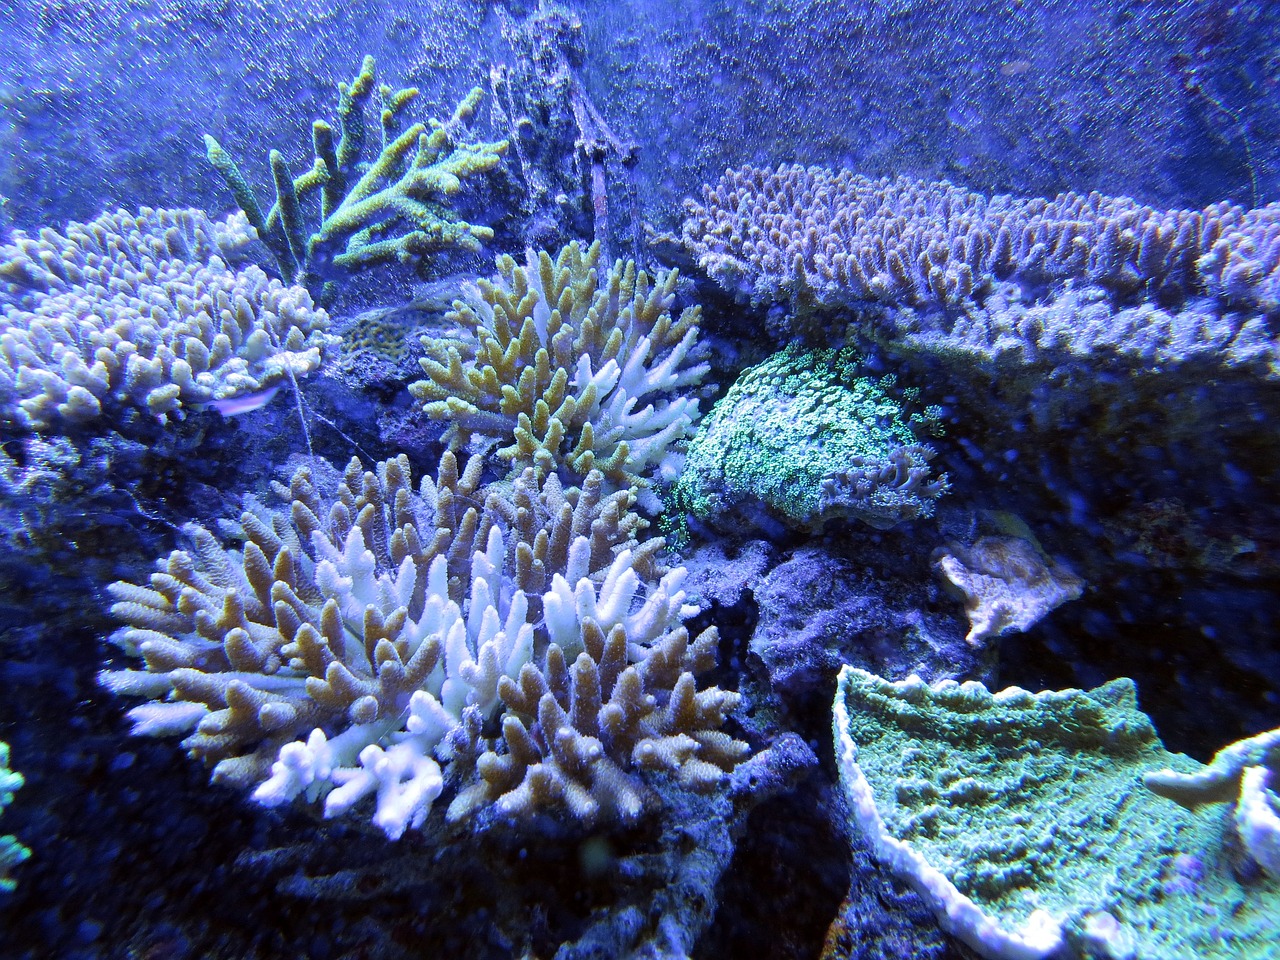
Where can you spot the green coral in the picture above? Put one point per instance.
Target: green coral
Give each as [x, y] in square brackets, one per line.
[12, 852]
[1024, 821]
[393, 209]
[812, 438]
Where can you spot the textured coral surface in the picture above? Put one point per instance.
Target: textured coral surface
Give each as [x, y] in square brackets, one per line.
[585, 367]
[141, 312]
[810, 437]
[1023, 819]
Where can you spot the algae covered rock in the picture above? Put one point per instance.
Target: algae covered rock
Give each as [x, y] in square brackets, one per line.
[1023, 820]
[808, 437]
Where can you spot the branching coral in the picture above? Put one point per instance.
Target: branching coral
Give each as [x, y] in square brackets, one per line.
[811, 439]
[393, 209]
[839, 238]
[12, 852]
[141, 313]
[584, 370]
[342, 648]
[570, 733]
[1079, 327]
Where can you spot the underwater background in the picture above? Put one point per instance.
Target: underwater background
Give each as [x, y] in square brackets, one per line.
[703, 361]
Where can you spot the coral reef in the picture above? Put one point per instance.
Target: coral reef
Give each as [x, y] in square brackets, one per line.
[948, 782]
[811, 438]
[1007, 584]
[12, 852]
[341, 652]
[395, 209]
[140, 313]
[814, 236]
[585, 371]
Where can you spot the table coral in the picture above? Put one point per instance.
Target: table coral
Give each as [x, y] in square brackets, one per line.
[393, 209]
[811, 438]
[840, 238]
[584, 369]
[140, 313]
[1023, 821]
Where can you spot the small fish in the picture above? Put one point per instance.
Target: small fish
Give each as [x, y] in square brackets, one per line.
[1014, 68]
[244, 403]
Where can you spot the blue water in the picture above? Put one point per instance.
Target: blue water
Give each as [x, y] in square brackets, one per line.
[1113, 412]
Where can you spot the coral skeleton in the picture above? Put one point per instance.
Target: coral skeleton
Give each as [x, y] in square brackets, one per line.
[354, 645]
[585, 370]
[141, 312]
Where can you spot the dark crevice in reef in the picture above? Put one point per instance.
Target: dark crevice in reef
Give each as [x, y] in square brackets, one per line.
[785, 880]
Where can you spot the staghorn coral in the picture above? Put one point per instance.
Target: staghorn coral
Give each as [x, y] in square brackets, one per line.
[805, 435]
[583, 370]
[1021, 819]
[393, 209]
[12, 852]
[823, 238]
[340, 650]
[140, 312]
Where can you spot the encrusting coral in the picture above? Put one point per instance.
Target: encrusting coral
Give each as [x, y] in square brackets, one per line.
[582, 368]
[810, 438]
[1023, 822]
[393, 209]
[838, 238]
[141, 312]
[355, 643]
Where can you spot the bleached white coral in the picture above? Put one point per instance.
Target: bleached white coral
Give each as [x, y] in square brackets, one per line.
[393, 757]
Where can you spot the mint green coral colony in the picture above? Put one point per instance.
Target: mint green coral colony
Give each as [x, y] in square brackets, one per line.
[808, 435]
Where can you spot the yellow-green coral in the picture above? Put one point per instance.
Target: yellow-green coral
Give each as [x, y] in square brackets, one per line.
[393, 209]
[581, 370]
